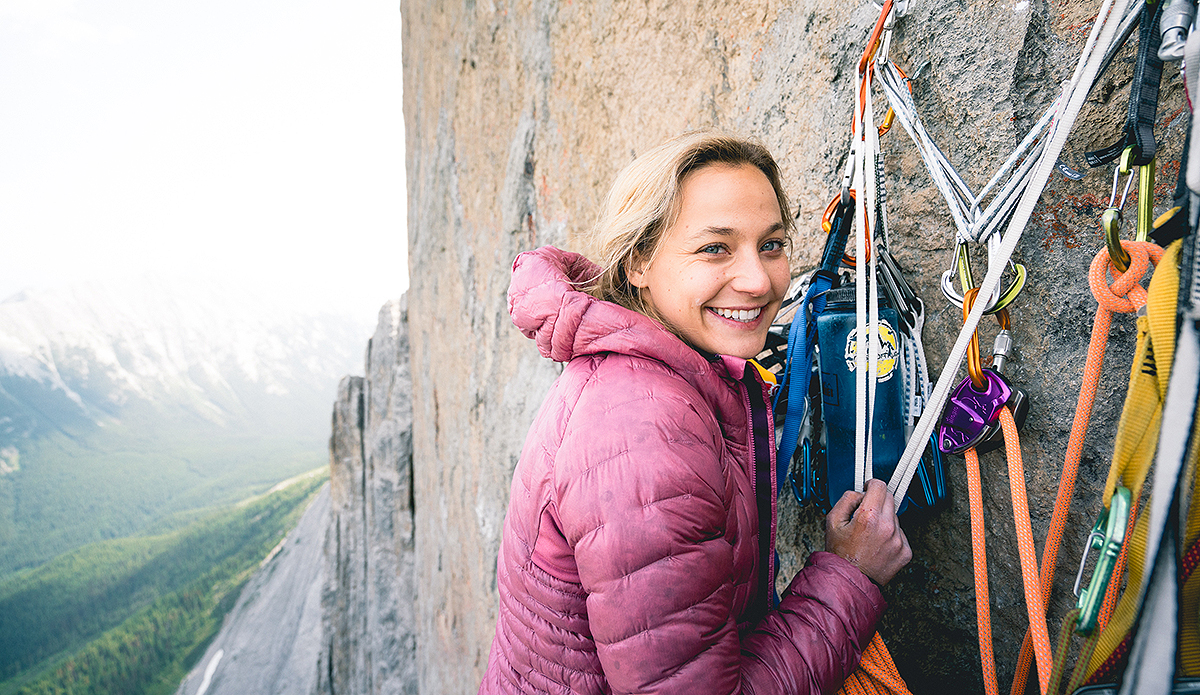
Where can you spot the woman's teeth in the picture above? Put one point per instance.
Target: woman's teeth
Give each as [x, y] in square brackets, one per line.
[739, 314]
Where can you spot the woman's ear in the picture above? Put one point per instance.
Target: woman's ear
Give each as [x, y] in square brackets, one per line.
[635, 271]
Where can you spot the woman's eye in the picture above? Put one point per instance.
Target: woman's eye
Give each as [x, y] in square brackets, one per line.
[773, 245]
[713, 248]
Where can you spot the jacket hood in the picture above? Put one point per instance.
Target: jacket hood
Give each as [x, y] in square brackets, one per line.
[547, 304]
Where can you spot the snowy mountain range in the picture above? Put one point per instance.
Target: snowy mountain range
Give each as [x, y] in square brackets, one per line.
[126, 404]
[81, 356]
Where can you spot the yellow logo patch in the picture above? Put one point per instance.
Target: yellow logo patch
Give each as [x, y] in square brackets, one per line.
[887, 347]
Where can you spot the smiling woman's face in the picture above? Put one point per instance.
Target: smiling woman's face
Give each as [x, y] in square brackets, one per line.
[721, 270]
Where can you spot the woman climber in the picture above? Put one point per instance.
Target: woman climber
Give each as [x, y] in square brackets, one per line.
[638, 549]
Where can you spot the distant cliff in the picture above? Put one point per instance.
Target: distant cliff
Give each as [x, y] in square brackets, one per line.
[125, 401]
[517, 117]
[368, 600]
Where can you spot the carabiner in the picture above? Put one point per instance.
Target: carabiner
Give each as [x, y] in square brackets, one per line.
[873, 42]
[974, 362]
[890, 117]
[802, 491]
[999, 300]
[1110, 220]
[906, 301]
[1145, 222]
[1107, 536]
[847, 181]
[827, 222]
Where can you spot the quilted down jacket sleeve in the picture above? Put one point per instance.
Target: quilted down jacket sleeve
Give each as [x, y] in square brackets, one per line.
[812, 642]
[643, 498]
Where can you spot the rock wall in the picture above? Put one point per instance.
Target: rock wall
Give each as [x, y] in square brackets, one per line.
[519, 114]
[368, 623]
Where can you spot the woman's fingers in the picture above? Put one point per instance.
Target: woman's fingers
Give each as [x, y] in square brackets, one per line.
[864, 529]
[843, 512]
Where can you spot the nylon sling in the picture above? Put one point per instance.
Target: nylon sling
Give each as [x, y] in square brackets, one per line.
[1143, 95]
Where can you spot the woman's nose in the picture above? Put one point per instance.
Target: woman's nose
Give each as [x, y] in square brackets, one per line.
[750, 275]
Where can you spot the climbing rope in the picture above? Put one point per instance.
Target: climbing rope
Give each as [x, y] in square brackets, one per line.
[876, 674]
[1124, 295]
[1035, 605]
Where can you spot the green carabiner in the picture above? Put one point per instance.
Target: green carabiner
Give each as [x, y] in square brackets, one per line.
[1145, 200]
[965, 277]
[1107, 537]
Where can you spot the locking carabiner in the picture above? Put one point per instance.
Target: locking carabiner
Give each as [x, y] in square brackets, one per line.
[999, 300]
[846, 198]
[1145, 223]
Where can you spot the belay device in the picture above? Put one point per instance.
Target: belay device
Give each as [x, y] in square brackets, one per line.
[815, 408]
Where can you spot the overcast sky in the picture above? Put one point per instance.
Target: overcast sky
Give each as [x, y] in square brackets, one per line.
[225, 139]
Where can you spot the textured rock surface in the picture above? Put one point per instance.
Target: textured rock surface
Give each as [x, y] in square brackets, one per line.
[519, 114]
[368, 598]
[269, 642]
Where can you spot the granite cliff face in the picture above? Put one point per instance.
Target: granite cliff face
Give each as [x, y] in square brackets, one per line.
[517, 117]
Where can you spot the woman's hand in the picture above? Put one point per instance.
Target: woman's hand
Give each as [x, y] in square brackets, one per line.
[863, 528]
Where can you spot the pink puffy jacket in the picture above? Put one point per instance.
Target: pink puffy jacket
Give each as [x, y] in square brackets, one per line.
[631, 560]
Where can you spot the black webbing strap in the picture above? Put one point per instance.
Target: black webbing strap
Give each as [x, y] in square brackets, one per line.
[760, 448]
[1174, 224]
[1143, 95]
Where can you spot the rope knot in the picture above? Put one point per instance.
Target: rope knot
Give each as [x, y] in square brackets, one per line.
[1125, 295]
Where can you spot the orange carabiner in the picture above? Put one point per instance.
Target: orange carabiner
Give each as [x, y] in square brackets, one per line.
[888, 118]
[1003, 319]
[827, 224]
[974, 362]
[873, 43]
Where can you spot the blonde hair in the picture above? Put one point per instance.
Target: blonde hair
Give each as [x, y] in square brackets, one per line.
[645, 200]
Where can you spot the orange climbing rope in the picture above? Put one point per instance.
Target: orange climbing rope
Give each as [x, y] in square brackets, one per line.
[1124, 295]
[1034, 601]
[1035, 604]
[876, 673]
[982, 595]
